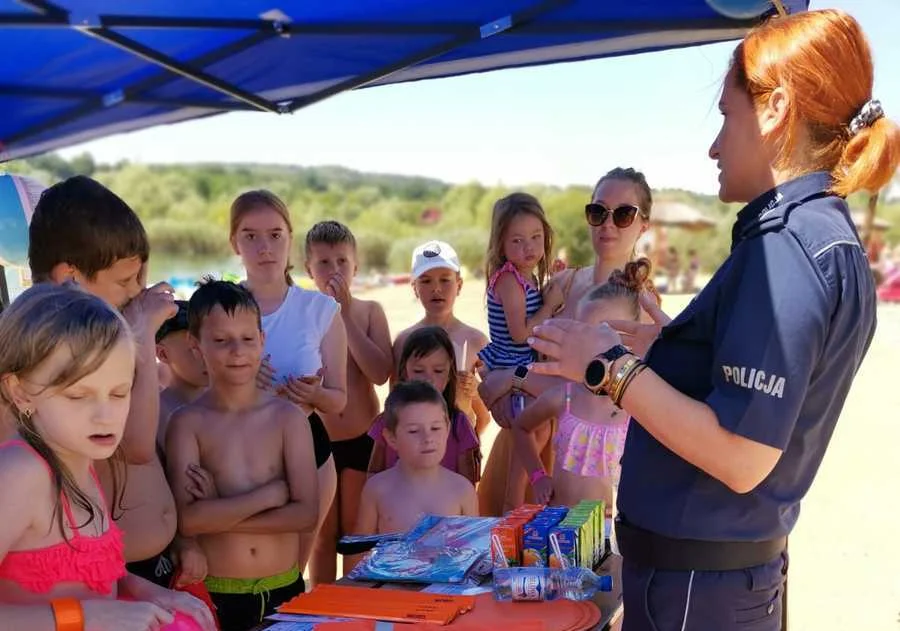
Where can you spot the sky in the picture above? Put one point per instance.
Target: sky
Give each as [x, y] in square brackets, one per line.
[561, 124]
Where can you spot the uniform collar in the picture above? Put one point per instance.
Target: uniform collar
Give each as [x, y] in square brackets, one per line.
[769, 211]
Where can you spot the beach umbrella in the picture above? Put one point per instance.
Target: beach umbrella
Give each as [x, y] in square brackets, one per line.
[679, 215]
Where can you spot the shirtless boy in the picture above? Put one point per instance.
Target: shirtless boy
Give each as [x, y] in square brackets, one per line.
[331, 262]
[188, 377]
[416, 426]
[187, 381]
[436, 281]
[242, 465]
[83, 232]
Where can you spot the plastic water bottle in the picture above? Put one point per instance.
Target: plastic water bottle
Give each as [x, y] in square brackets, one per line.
[544, 583]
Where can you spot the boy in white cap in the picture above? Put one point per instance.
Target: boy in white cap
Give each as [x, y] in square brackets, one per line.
[436, 281]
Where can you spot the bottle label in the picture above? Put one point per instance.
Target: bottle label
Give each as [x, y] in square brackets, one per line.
[527, 587]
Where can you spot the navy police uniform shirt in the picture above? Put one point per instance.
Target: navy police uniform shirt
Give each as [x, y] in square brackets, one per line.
[771, 344]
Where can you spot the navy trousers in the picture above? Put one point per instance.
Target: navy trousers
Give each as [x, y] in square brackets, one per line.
[740, 600]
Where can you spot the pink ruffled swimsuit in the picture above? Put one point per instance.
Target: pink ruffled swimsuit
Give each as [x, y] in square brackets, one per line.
[97, 562]
[589, 449]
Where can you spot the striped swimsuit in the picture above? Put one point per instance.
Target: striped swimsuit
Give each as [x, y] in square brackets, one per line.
[502, 351]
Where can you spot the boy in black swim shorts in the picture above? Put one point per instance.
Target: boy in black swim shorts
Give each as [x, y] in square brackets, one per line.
[332, 264]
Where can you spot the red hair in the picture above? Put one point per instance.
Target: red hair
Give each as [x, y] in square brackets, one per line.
[823, 61]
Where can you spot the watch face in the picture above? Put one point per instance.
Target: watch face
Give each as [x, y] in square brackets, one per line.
[521, 372]
[595, 373]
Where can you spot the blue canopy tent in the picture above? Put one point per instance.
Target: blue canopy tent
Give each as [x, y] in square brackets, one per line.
[76, 70]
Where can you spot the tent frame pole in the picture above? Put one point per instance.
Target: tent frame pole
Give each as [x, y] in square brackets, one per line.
[4, 290]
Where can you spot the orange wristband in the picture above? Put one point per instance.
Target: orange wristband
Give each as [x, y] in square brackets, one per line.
[68, 614]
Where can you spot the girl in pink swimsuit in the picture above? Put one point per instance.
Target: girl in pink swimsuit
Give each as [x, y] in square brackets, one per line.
[591, 430]
[67, 363]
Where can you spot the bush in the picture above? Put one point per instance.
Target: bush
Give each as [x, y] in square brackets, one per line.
[401, 254]
[182, 239]
[373, 250]
[471, 246]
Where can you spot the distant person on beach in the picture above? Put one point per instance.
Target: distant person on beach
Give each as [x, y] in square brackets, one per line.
[689, 283]
[673, 270]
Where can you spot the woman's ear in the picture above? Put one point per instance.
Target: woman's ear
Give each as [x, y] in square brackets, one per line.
[774, 114]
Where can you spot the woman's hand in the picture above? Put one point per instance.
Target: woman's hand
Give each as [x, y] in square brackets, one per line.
[103, 615]
[639, 336]
[572, 344]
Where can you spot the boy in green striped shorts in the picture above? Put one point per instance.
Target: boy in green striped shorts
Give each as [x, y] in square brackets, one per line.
[241, 465]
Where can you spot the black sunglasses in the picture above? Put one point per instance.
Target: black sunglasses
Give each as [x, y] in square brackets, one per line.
[622, 217]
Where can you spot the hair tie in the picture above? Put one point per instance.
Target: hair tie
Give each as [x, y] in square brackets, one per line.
[868, 114]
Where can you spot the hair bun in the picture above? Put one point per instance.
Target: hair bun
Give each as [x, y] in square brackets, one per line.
[634, 276]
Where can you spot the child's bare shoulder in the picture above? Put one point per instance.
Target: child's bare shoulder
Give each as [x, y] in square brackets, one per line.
[455, 483]
[190, 414]
[474, 336]
[23, 470]
[402, 335]
[280, 410]
[380, 483]
[365, 305]
[400, 340]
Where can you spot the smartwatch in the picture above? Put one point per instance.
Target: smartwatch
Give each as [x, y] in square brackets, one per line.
[519, 376]
[599, 370]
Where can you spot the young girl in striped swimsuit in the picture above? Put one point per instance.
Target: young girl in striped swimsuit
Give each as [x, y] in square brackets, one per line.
[518, 299]
[518, 267]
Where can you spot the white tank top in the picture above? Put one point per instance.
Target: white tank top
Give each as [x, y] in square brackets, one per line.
[295, 330]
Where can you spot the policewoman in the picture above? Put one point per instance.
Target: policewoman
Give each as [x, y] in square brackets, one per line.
[736, 400]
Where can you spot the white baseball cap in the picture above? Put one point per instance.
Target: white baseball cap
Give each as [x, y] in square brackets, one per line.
[434, 255]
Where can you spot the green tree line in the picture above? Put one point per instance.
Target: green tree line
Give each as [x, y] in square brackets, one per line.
[185, 208]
